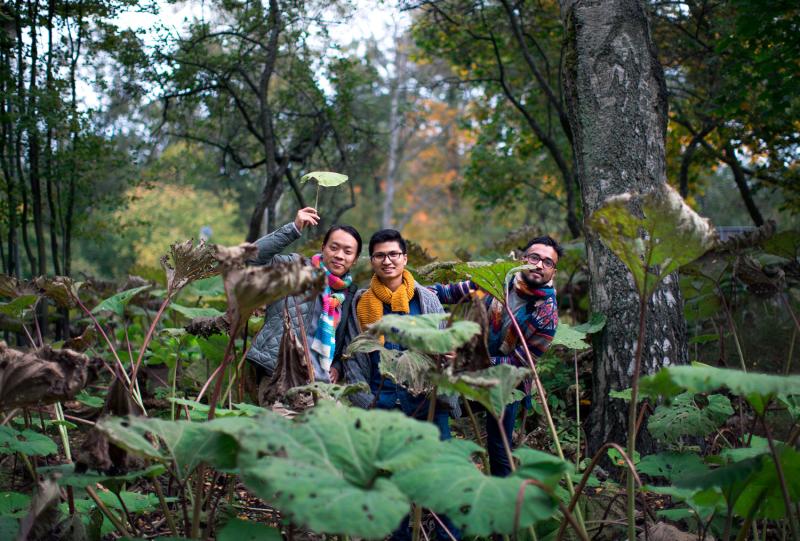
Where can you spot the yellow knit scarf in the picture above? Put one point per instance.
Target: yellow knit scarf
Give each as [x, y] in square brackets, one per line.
[370, 305]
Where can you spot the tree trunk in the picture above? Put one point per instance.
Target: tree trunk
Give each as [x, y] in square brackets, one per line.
[48, 148]
[744, 189]
[395, 125]
[618, 112]
[33, 146]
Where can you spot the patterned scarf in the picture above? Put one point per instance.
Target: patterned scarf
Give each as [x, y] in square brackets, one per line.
[502, 340]
[370, 305]
[324, 341]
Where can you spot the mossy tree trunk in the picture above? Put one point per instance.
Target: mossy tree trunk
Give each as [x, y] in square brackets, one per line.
[617, 102]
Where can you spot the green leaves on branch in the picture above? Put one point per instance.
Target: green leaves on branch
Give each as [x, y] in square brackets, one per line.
[491, 278]
[689, 415]
[575, 337]
[653, 234]
[758, 389]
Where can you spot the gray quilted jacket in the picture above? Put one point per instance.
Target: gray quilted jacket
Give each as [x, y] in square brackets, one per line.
[356, 367]
[264, 349]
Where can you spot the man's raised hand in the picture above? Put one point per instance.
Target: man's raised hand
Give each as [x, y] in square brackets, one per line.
[306, 216]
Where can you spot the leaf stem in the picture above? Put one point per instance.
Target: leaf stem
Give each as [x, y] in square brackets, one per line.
[164, 507]
[637, 365]
[787, 500]
[118, 524]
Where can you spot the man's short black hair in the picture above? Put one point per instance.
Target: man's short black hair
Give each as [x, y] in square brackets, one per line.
[547, 240]
[350, 230]
[387, 235]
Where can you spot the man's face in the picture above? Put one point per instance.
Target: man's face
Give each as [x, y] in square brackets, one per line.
[388, 260]
[544, 260]
[339, 253]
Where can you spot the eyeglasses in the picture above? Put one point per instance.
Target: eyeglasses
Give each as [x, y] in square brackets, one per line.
[380, 256]
[533, 259]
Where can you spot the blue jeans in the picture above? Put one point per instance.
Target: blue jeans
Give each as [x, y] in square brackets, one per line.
[498, 459]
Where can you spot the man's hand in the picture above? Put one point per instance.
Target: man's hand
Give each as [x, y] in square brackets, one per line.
[450, 357]
[306, 216]
[334, 375]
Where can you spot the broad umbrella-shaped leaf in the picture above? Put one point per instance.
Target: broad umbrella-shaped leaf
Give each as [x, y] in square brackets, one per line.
[17, 307]
[423, 333]
[672, 465]
[187, 444]
[14, 504]
[333, 469]
[758, 389]
[185, 263]
[493, 387]
[27, 442]
[570, 337]
[326, 179]
[118, 302]
[479, 504]
[684, 416]
[410, 369]
[492, 277]
[653, 234]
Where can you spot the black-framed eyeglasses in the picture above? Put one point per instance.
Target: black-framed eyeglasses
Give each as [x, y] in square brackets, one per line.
[546, 262]
[380, 256]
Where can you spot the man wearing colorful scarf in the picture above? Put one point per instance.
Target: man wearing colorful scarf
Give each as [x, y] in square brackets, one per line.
[532, 300]
[321, 316]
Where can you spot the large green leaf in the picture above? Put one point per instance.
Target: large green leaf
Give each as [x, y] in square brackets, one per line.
[333, 469]
[410, 369]
[479, 504]
[570, 337]
[653, 234]
[14, 504]
[187, 444]
[67, 476]
[326, 179]
[27, 442]
[17, 307]
[687, 415]
[422, 333]
[671, 465]
[758, 389]
[118, 302]
[489, 277]
[493, 387]
[193, 312]
[244, 530]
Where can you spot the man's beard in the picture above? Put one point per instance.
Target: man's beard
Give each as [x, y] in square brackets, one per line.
[532, 281]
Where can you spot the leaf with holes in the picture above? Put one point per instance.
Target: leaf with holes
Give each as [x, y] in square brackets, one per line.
[653, 234]
[423, 333]
[332, 470]
[27, 442]
[449, 483]
[185, 263]
[118, 302]
[689, 415]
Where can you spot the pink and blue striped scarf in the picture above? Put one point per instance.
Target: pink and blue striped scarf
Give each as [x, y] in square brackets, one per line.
[324, 341]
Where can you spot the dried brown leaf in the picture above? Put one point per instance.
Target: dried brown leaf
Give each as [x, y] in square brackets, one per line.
[248, 288]
[59, 289]
[186, 263]
[291, 370]
[43, 376]
[474, 355]
[84, 341]
[206, 326]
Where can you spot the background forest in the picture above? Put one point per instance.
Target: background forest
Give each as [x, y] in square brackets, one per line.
[129, 126]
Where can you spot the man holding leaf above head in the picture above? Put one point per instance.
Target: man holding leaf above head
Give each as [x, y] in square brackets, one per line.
[532, 300]
[322, 314]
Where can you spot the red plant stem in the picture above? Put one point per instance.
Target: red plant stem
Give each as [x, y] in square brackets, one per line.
[149, 336]
[564, 511]
[105, 336]
[226, 360]
[787, 500]
[585, 478]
